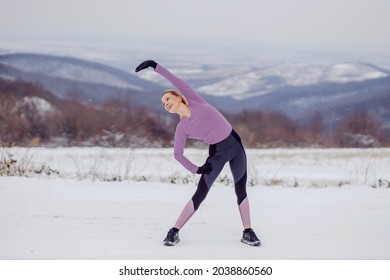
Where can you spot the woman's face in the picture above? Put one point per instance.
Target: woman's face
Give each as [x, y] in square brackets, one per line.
[171, 102]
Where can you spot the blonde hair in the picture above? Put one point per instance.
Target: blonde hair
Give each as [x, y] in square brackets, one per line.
[176, 93]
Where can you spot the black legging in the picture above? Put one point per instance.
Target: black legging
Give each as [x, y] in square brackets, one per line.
[228, 150]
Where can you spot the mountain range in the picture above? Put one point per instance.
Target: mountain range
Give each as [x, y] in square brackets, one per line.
[296, 89]
[89, 81]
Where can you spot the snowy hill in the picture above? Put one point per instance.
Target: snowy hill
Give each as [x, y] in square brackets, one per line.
[72, 69]
[90, 81]
[259, 81]
[296, 89]
[333, 100]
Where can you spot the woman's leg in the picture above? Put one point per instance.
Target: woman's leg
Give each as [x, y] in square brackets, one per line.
[238, 167]
[204, 185]
[185, 215]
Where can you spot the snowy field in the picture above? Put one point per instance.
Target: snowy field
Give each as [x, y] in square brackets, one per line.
[106, 203]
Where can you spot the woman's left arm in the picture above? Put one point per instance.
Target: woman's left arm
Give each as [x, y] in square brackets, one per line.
[184, 89]
[180, 142]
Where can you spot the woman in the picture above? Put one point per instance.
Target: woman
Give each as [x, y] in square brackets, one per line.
[200, 120]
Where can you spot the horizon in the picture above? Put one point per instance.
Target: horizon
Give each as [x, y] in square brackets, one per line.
[114, 52]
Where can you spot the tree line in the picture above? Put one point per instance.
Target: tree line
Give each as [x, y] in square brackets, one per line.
[31, 115]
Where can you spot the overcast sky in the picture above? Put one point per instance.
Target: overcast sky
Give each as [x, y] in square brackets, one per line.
[360, 25]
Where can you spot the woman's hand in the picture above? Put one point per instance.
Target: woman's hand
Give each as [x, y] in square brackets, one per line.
[146, 64]
[205, 168]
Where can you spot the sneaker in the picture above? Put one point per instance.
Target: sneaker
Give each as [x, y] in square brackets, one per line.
[249, 237]
[172, 237]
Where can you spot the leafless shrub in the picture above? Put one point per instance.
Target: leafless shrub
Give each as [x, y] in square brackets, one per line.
[381, 183]
[22, 166]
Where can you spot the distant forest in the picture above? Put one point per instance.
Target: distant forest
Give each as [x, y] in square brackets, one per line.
[32, 116]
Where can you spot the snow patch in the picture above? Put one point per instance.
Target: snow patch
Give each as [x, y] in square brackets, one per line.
[351, 72]
[42, 107]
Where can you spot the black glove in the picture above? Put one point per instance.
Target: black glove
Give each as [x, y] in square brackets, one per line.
[146, 64]
[205, 168]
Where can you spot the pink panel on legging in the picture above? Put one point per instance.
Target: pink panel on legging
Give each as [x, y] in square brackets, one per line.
[185, 215]
[245, 214]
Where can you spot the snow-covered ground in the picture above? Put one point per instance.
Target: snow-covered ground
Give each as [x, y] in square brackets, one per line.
[119, 204]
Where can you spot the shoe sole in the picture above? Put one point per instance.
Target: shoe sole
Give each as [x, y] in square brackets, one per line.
[168, 243]
[256, 243]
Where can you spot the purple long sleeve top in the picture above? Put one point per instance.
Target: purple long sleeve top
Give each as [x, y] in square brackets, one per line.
[205, 122]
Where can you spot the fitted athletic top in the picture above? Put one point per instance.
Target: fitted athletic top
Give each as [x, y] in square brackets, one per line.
[205, 122]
